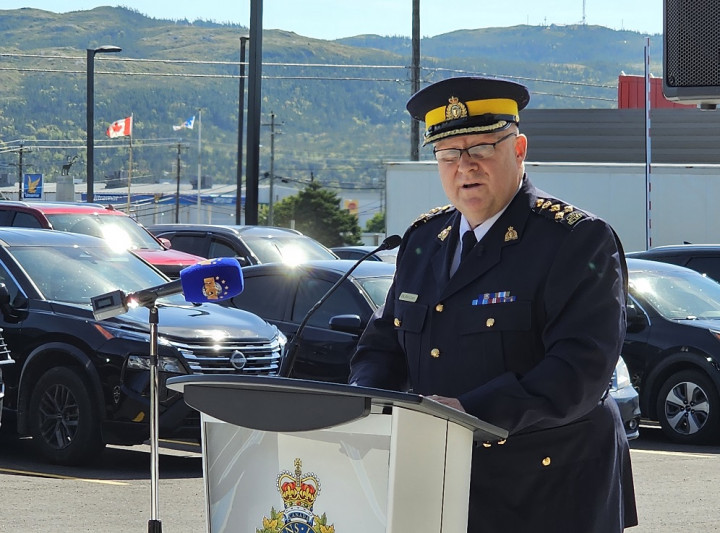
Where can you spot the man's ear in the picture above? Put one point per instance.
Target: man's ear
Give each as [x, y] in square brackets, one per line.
[521, 147]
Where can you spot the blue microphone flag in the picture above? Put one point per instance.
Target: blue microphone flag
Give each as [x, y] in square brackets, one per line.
[212, 280]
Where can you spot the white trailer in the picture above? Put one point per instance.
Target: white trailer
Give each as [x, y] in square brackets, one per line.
[682, 207]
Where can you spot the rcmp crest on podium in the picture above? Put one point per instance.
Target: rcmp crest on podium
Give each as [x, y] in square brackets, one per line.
[298, 492]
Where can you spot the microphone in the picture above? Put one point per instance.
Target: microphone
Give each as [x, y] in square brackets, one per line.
[211, 280]
[393, 241]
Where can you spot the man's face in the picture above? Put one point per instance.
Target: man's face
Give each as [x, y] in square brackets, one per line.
[480, 187]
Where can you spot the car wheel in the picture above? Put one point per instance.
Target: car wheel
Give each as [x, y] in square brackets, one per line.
[63, 421]
[688, 407]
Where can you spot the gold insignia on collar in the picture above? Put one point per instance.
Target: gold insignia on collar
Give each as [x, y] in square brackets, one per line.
[539, 202]
[444, 233]
[568, 209]
[511, 234]
[455, 109]
[547, 204]
[559, 215]
[555, 207]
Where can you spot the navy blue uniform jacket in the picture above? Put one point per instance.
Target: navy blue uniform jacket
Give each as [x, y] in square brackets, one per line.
[526, 335]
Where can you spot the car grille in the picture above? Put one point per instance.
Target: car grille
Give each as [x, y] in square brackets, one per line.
[257, 358]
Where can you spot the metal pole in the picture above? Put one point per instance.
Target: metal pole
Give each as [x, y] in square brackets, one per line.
[90, 114]
[414, 124]
[154, 524]
[648, 155]
[199, 172]
[241, 112]
[252, 169]
[20, 173]
[271, 218]
[90, 119]
[177, 188]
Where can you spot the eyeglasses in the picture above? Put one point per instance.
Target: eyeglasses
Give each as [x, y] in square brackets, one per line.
[476, 152]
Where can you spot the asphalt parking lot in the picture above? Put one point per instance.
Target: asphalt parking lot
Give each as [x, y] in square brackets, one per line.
[677, 489]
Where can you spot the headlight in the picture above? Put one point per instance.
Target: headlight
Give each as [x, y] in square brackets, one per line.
[621, 375]
[165, 364]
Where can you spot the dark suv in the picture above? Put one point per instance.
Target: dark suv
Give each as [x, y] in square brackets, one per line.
[703, 258]
[251, 245]
[79, 383]
[99, 221]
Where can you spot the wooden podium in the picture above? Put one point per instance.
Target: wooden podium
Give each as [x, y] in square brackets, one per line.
[290, 456]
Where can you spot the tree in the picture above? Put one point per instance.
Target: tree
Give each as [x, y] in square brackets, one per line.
[376, 224]
[317, 213]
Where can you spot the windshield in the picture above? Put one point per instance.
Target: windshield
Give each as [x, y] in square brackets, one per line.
[121, 232]
[678, 295]
[290, 250]
[75, 274]
[377, 288]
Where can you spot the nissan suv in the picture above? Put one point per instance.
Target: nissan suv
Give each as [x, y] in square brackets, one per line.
[79, 383]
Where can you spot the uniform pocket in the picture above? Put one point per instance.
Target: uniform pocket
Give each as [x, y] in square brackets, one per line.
[410, 317]
[495, 317]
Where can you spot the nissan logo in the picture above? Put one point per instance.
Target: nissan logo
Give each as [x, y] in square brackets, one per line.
[238, 360]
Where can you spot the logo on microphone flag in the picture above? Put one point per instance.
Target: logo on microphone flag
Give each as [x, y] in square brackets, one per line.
[120, 128]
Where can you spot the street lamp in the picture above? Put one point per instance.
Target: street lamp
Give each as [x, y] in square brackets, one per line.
[241, 110]
[90, 105]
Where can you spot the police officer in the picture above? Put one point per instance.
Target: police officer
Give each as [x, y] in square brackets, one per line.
[509, 304]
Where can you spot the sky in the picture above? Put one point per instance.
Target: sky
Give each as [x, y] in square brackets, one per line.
[333, 19]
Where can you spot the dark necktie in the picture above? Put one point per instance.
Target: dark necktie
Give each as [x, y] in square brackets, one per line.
[468, 243]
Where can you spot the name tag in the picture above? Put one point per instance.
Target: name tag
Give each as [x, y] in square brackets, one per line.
[407, 297]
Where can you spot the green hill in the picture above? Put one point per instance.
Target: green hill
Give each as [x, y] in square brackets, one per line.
[338, 105]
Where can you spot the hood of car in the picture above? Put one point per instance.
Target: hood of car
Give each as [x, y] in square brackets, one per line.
[205, 322]
[168, 257]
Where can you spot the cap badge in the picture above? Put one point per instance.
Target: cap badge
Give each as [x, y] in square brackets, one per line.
[511, 234]
[455, 109]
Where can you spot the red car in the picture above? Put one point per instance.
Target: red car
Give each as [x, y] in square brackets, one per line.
[100, 221]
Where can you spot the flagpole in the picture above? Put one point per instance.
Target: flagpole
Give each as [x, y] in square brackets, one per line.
[199, 172]
[130, 167]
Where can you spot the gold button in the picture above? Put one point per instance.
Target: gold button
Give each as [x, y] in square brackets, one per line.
[439, 308]
[397, 322]
[487, 444]
[546, 461]
[501, 442]
[490, 322]
[435, 353]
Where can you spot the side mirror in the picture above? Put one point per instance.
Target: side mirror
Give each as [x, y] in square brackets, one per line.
[347, 324]
[165, 242]
[635, 318]
[10, 314]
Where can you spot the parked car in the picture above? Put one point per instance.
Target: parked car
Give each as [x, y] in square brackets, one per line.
[356, 252]
[80, 383]
[116, 227]
[672, 348]
[5, 359]
[283, 296]
[703, 258]
[251, 245]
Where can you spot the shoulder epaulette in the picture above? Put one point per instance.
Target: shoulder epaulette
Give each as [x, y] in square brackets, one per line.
[560, 212]
[435, 211]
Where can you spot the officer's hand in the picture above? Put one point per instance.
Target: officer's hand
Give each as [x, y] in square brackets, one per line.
[450, 402]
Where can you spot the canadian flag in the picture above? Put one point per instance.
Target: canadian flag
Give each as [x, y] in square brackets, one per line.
[120, 128]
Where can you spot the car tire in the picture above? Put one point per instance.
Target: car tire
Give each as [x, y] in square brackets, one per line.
[688, 408]
[63, 421]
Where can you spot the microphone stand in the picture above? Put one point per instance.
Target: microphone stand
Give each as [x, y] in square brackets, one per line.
[154, 524]
[388, 244]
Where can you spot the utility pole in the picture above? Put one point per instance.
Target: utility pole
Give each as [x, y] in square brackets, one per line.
[20, 172]
[177, 189]
[271, 219]
[415, 72]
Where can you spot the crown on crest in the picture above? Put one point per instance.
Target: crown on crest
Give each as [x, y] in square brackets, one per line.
[298, 490]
